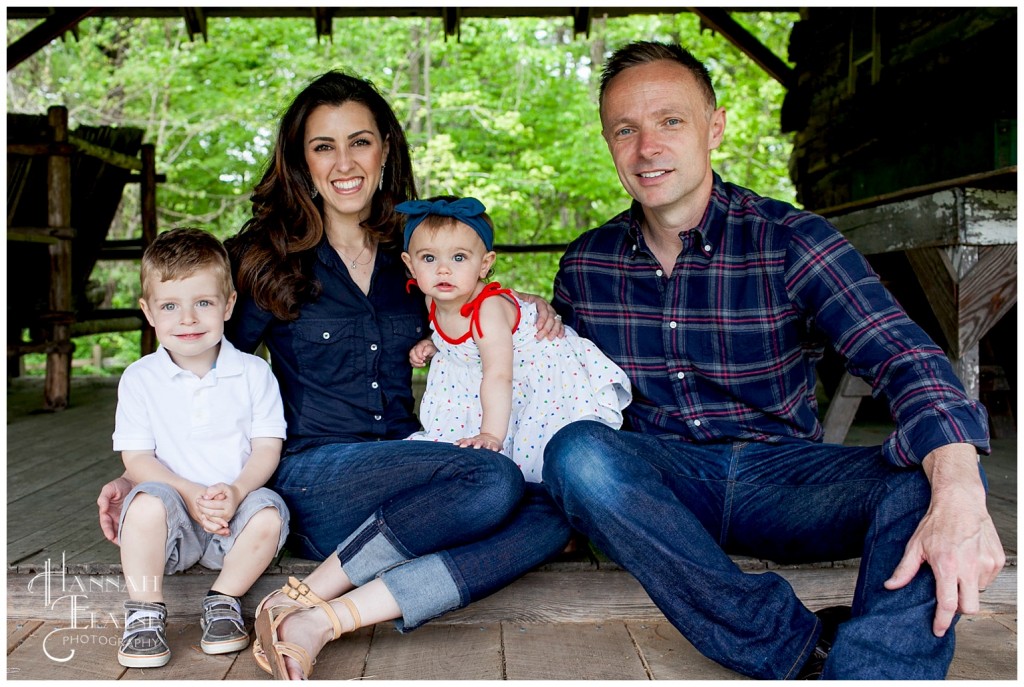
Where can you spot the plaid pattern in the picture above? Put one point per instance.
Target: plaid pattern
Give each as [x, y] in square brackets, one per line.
[725, 349]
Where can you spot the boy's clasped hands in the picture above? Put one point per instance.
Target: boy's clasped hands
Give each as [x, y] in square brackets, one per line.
[214, 506]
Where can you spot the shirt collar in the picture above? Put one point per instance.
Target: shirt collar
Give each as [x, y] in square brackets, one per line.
[709, 230]
[228, 363]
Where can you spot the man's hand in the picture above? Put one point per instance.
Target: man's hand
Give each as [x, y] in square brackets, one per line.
[549, 323]
[956, 537]
[110, 502]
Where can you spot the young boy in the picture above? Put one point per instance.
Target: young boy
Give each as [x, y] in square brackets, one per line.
[200, 427]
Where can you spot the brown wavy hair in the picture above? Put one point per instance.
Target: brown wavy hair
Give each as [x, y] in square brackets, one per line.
[273, 253]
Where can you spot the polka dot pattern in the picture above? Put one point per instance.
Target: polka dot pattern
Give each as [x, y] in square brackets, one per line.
[554, 383]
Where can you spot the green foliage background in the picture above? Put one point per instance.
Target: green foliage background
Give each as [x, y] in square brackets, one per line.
[508, 113]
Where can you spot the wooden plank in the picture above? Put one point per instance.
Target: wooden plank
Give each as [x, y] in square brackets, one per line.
[939, 281]
[978, 217]
[842, 407]
[188, 661]
[985, 650]
[563, 597]
[58, 182]
[990, 216]
[434, 652]
[588, 651]
[56, 651]
[340, 660]
[916, 223]
[987, 293]
[538, 597]
[18, 631]
[669, 656]
[111, 157]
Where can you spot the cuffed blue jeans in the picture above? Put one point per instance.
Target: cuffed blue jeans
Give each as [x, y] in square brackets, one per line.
[440, 525]
[672, 512]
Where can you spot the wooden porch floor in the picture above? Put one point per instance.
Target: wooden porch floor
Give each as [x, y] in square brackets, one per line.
[576, 618]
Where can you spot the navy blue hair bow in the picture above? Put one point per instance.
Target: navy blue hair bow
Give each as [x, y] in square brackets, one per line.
[469, 211]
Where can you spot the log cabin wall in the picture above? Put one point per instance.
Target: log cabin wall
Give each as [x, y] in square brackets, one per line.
[890, 98]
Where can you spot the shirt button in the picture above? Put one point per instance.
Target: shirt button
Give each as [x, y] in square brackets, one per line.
[680, 375]
[658, 272]
[707, 247]
[373, 347]
[376, 417]
[696, 423]
[374, 385]
[672, 325]
[327, 335]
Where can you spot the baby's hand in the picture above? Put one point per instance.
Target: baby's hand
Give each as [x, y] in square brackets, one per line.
[422, 352]
[482, 440]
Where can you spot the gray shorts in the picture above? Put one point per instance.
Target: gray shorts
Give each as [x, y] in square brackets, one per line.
[187, 542]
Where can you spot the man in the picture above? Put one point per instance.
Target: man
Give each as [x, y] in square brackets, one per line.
[717, 304]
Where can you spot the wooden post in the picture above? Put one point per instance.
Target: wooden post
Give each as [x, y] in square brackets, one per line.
[147, 189]
[57, 388]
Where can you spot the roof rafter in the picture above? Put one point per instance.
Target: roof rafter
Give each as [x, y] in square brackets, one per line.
[56, 24]
[721, 22]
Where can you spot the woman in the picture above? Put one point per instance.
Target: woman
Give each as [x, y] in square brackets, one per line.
[407, 530]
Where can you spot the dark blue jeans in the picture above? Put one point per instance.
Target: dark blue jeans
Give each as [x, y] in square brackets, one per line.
[671, 512]
[441, 526]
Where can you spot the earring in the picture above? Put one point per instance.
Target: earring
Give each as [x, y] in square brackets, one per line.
[380, 186]
[314, 193]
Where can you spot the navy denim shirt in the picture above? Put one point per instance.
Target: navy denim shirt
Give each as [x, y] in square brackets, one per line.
[724, 348]
[343, 364]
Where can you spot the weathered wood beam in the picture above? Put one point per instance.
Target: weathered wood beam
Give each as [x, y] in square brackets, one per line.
[842, 408]
[195, 22]
[60, 21]
[987, 293]
[324, 19]
[940, 283]
[959, 216]
[581, 17]
[111, 157]
[57, 388]
[719, 21]
[49, 235]
[451, 16]
[147, 197]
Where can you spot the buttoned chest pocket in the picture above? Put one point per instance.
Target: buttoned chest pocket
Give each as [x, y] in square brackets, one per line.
[324, 348]
[401, 333]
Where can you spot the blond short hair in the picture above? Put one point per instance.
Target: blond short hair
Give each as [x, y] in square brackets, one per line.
[179, 253]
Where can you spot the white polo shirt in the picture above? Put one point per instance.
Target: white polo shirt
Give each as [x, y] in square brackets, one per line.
[200, 428]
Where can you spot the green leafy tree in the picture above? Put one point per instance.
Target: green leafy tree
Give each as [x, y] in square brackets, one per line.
[508, 113]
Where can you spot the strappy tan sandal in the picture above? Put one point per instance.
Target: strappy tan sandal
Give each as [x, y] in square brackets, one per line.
[293, 590]
[268, 622]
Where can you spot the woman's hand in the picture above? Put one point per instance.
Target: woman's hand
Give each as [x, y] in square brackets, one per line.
[110, 502]
[549, 323]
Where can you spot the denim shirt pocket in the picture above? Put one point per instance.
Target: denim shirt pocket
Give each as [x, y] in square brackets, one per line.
[401, 333]
[325, 349]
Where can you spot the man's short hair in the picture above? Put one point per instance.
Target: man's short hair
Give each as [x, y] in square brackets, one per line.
[646, 52]
[179, 253]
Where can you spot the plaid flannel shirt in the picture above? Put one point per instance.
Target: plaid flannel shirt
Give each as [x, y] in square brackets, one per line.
[725, 348]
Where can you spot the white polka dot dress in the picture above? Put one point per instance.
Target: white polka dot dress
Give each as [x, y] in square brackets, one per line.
[553, 384]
